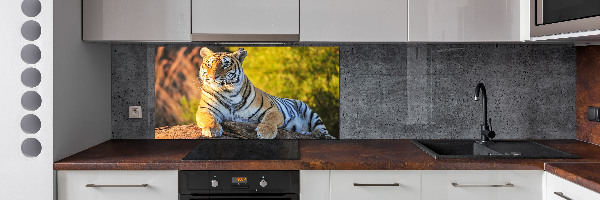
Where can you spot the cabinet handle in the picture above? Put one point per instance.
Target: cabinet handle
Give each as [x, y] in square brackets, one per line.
[94, 185]
[505, 185]
[560, 194]
[367, 184]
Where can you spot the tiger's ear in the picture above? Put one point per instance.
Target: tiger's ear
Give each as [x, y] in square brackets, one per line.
[240, 54]
[205, 52]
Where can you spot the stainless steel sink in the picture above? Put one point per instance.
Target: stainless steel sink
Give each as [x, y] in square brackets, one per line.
[492, 149]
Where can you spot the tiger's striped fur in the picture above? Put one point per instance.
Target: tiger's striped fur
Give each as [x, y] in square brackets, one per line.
[228, 95]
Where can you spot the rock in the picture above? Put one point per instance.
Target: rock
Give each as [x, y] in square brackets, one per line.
[232, 130]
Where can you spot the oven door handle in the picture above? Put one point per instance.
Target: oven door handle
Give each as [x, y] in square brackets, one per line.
[251, 197]
[245, 196]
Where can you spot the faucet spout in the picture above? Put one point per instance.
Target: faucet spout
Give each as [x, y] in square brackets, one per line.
[486, 133]
[481, 88]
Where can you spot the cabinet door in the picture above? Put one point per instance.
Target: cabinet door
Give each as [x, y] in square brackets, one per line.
[117, 185]
[561, 189]
[468, 20]
[482, 184]
[379, 184]
[215, 19]
[314, 184]
[136, 20]
[354, 20]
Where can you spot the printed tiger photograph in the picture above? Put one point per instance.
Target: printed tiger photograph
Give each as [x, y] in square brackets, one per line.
[222, 92]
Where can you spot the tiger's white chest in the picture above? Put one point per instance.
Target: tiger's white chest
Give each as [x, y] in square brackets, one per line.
[239, 115]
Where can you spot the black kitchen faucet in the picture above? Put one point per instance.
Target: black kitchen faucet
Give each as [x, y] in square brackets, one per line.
[486, 129]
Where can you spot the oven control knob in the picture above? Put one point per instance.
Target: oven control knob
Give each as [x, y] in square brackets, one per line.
[263, 183]
[214, 183]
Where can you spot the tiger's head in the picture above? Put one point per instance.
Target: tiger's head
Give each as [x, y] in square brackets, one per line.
[221, 69]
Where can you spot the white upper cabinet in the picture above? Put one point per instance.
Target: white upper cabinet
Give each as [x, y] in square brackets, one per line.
[468, 20]
[307, 20]
[136, 20]
[244, 20]
[353, 20]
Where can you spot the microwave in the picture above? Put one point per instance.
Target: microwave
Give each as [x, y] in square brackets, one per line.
[570, 18]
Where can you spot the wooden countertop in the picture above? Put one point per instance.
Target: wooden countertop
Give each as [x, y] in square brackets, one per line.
[314, 155]
[331, 155]
[581, 173]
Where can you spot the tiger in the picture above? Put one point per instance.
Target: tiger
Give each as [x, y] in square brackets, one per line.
[228, 95]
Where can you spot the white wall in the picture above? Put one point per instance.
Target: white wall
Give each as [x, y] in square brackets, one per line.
[82, 84]
[24, 177]
[75, 92]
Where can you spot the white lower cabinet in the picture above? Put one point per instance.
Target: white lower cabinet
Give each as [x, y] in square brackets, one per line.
[314, 184]
[375, 185]
[561, 189]
[117, 185]
[482, 184]
[340, 185]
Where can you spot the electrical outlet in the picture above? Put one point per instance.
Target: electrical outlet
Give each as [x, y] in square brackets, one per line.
[593, 114]
[135, 112]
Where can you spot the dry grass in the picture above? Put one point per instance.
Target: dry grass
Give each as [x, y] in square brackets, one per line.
[176, 76]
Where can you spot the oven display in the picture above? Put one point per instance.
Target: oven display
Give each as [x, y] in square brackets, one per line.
[239, 180]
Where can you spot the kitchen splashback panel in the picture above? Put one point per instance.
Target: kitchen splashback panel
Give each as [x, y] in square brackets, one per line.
[394, 91]
[198, 85]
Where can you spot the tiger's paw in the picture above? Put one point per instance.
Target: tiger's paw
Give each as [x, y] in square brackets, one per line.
[321, 133]
[214, 131]
[264, 131]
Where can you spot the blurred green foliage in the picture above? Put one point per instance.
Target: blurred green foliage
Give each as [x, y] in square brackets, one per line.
[189, 108]
[309, 74]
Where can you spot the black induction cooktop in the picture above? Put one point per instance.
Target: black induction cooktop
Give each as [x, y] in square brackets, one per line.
[228, 149]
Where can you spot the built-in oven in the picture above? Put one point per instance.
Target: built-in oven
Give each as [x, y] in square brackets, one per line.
[554, 17]
[234, 185]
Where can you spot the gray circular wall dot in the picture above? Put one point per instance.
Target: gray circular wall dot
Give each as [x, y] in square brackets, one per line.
[31, 77]
[31, 147]
[31, 100]
[31, 8]
[31, 124]
[31, 54]
[31, 30]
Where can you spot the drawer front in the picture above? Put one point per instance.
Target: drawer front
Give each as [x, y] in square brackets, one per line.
[566, 189]
[408, 184]
[161, 185]
[482, 184]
